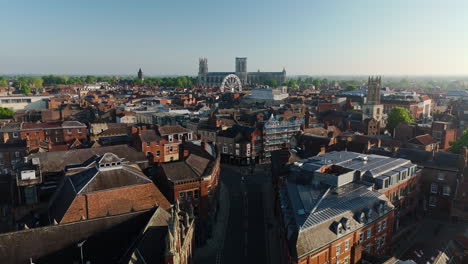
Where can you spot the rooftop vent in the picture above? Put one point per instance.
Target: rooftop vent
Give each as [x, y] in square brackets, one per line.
[363, 158]
[28, 175]
[35, 161]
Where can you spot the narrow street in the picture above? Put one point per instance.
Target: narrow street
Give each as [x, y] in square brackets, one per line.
[245, 234]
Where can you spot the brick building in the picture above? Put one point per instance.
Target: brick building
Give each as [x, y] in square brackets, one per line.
[11, 153]
[161, 144]
[442, 132]
[423, 142]
[103, 186]
[322, 194]
[55, 133]
[328, 218]
[192, 180]
[239, 144]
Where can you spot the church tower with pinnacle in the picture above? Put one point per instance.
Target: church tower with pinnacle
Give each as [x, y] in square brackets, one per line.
[141, 75]
[372, 107]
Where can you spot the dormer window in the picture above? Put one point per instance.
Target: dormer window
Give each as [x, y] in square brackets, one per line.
[362, 218]
[180, 137]
[368, 213]
[340, 229]
[345, 223]
[171, 138]
[337, 227]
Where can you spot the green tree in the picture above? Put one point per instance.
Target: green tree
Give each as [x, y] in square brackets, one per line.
[317, 83]
[398, 115]
[457, 146]
[37, 82]
[351, 87]
[25, 89]
[5, 113]
[292, 84]
[138, 82]
[90, 79]
[3, 82]
[271, 83]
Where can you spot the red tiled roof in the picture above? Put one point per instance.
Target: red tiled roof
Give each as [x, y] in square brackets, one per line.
[425, 98]
[423, 140]
[40, 125]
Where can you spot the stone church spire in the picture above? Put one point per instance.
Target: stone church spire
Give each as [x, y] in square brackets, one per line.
[141, 75]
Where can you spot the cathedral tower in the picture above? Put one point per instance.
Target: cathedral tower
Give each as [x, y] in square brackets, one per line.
[202, 70]
[241, 69]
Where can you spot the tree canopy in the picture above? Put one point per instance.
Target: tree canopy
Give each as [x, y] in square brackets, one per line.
[271, 83]
[3, 82]
[37, 82]
[351, 87]
[5, 113]
[25, 89]
[457, 146]
[398, 115]
[292, 84]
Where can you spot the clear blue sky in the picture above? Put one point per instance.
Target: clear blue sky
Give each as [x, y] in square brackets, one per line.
[317, 37]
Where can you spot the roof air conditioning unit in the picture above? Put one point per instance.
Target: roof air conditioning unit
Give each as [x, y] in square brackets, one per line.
[35, 161]
[28, 175]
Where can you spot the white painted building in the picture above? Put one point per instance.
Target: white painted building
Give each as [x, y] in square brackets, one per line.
[22, 102]
[277, 94]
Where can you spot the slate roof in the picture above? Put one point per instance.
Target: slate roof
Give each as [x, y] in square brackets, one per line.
[375, 164]
[91, 178]
[152, 245]
[57, 161]
[113, 131]
[441, 160]
[11, 127]
[196, 165]
[229, 133]
[168, 130]
[311, 210]
[149, 136]
[178, 171]
[73, 124]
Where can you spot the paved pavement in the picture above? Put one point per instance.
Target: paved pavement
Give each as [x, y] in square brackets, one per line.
[212, 251]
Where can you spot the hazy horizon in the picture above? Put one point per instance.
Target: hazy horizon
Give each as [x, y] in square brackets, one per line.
[315, 38]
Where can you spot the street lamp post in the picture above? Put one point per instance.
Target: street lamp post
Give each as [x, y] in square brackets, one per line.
[80, 245]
